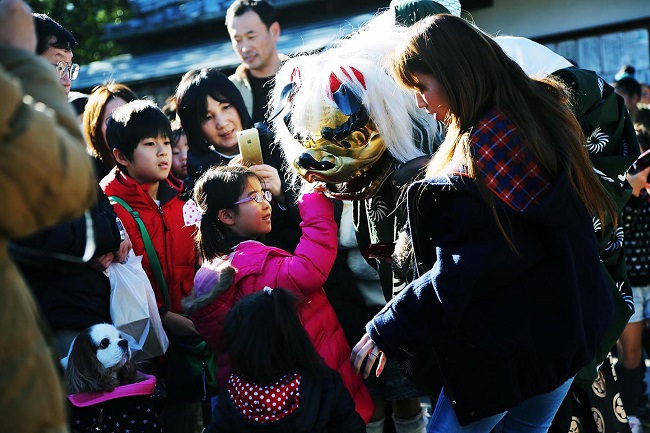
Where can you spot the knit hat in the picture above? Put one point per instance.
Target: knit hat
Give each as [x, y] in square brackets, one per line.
[408, 12]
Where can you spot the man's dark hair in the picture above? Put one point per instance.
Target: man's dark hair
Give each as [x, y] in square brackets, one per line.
[629, 86]
[46, 28]
[134, 121]
[262, 8]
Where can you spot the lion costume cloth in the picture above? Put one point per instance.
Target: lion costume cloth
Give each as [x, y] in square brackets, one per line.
[343, 120]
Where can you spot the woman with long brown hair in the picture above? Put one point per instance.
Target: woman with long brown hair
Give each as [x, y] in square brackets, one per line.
[103, 100]
[515, 299]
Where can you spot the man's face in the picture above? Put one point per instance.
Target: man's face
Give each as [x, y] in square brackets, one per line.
[56, 55]
[254, 43]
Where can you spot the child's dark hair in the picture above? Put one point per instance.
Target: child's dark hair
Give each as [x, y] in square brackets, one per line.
[265, 339]
[134, 121]
[177, 132]
[218, 188]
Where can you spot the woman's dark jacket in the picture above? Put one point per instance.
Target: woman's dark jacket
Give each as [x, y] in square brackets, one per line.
[325, 406]
[506, 325]
[71, 295]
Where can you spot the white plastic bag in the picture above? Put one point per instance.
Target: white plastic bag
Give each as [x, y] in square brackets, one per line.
[134, 310]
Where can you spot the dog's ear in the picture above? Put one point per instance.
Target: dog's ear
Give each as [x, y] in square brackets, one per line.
[83, 372]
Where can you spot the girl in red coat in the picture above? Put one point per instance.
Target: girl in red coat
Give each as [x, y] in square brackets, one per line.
[233, 213]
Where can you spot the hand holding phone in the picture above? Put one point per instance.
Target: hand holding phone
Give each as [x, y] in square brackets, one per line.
[249, 147]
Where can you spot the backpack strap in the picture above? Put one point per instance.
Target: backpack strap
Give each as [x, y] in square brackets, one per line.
[156, 268]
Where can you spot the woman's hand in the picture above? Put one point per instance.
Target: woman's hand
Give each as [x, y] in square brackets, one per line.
[639, 181]
[269, 176]
[236, 160]
[178, 325]
[270, 180]
[366, 349]
[123, 251]
[101, 263]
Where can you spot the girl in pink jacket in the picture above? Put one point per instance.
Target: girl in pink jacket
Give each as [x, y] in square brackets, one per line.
[233, 211]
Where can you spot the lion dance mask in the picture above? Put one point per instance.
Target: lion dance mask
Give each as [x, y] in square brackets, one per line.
[341, 119]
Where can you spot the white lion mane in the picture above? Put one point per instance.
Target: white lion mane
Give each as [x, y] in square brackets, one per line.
[391, 107]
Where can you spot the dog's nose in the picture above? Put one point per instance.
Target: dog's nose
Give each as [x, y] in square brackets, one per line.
[123, 343]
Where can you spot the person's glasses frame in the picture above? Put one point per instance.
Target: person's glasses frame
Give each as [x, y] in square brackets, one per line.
[258, 197]
[72, 69]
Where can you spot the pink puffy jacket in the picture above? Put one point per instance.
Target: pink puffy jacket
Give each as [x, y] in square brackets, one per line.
[217, 286]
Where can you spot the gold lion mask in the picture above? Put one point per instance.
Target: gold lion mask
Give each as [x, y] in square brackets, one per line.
[347, 153]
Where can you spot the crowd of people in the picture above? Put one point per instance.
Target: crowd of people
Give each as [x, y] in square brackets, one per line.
[476, 240]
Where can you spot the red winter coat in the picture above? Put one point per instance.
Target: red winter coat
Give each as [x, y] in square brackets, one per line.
[218, 287]
[172, 240]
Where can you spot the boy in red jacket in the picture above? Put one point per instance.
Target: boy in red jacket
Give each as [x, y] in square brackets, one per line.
[140, 135]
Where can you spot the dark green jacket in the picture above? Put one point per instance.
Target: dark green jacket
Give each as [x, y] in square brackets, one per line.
[613, 147]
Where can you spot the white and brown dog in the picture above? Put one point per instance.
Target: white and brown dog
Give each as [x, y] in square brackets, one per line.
[99, 360]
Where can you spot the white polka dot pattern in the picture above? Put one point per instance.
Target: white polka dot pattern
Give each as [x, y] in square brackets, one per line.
[265, 403]
[192, 215]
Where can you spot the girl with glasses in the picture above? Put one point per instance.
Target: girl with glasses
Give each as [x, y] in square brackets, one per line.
[212, 111]
[232, 211]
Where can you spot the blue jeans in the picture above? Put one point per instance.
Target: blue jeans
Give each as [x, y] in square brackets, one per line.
[531, 416]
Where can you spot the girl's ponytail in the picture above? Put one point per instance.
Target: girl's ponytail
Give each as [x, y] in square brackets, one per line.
[265, 338]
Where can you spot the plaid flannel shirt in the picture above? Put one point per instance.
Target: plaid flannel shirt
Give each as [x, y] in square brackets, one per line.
[504, 165]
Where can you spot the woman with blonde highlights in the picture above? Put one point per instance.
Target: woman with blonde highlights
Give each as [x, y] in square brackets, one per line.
[516, 299]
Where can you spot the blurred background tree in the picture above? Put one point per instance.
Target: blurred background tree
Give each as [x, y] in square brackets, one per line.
[86, 20]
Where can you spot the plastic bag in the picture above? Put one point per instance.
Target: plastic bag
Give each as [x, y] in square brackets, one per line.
[134, 310]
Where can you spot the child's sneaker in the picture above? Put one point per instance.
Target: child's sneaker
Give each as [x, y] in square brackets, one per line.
[635, 424]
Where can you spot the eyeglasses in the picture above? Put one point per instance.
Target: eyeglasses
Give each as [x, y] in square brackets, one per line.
[259, 197]
[71, 68]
